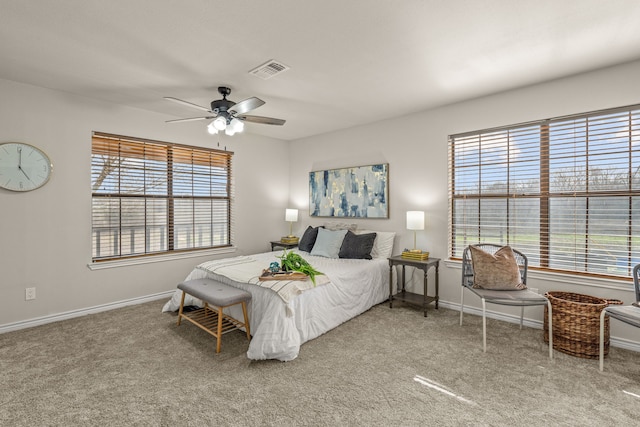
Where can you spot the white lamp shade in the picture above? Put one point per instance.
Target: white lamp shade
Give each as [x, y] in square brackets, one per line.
[291, 215]
[237, 125]
[220, 123]
[212, 129]
[415, 220]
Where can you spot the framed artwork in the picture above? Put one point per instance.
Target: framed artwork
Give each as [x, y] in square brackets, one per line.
[356, 192]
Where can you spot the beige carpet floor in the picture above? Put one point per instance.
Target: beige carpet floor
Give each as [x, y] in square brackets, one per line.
[134, 367]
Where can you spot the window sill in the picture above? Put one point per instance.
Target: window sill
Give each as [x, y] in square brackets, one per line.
[158, 258]
[564, 278]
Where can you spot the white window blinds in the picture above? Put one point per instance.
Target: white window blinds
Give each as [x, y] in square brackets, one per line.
[152, 197]
[564, 191]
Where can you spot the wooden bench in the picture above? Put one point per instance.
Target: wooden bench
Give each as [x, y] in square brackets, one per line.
[214, 321]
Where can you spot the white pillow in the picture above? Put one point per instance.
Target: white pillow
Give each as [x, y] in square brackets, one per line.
[383, 245]
[328, 243]
[340, 226]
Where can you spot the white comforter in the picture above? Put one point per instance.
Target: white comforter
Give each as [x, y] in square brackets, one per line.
[279, 329]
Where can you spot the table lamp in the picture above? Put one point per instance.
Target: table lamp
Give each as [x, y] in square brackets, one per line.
[415, 221]
[290, 215]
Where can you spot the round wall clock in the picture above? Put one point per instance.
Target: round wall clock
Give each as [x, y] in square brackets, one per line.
[23, 167]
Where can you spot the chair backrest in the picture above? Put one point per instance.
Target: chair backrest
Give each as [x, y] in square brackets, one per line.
[467, 265]
[636, 281]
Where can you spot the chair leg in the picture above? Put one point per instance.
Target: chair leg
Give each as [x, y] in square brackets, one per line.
[461, 303]
[549, 311]
[246, 320]
[521, 316]
[602, 340]
[484, 326]
[181, 307]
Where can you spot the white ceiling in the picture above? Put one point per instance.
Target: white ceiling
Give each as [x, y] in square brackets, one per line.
[352, 61]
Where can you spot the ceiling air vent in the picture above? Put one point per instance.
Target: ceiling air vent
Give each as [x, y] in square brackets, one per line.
[269, 69]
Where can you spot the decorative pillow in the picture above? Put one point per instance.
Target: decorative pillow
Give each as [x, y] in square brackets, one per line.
[499, 271]
[340, 226]
[308, 239]
[328, 243]
[383, 245]
[357, 246]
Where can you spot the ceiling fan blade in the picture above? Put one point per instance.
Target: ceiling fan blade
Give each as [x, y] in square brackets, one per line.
[262, 120]
[190, 119]
[247, 105]
[187, 103]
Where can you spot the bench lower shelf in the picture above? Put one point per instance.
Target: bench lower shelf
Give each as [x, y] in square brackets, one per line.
[207, 320]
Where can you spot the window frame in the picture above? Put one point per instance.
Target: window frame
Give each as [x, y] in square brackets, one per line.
[203, 170]
[546, 193]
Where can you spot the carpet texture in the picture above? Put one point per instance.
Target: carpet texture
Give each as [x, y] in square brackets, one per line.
[134, 367]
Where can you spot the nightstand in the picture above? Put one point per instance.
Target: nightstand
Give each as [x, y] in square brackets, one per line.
[410, 297]
[278, 244]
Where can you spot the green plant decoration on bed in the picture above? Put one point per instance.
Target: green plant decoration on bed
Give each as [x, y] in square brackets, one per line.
[291, 261]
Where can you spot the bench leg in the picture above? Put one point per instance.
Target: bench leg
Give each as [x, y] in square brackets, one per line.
[181, 307]
[246, 320]
[219, 337]
[206, 320]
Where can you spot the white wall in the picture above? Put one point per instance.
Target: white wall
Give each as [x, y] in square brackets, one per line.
[415, 147]
[45, 235]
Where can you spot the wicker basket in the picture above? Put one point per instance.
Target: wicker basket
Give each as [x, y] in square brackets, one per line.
[576, 323]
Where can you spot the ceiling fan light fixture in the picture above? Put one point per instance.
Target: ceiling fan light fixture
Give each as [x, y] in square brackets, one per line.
[212, 129]
[227, 115]
[220, 123]
[237, 125]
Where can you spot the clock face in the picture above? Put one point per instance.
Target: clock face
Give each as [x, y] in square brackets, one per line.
[23, 167]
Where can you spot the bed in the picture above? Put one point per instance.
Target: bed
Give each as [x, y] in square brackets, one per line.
[280, 324]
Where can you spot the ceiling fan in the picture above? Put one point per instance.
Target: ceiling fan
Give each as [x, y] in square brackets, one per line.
[227, 115]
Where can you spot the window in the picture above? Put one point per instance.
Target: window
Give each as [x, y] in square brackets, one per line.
[565, 191]
[153, 197]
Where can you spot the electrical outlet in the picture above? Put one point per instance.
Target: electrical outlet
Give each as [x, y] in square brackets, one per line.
[29, 294]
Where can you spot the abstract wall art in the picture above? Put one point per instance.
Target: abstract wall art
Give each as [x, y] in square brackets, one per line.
[359, 192]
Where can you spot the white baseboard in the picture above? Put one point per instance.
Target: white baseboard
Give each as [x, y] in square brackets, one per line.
[537, 324]
[23, 324]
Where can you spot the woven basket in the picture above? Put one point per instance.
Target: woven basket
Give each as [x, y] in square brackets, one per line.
[576, 323]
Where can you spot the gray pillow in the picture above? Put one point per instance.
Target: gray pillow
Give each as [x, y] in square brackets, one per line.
[498, 271]
[308, 239]
[357, 246]
[328, 243]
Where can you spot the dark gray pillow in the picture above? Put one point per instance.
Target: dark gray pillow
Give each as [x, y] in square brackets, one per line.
[357, 246]
[308, 239]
